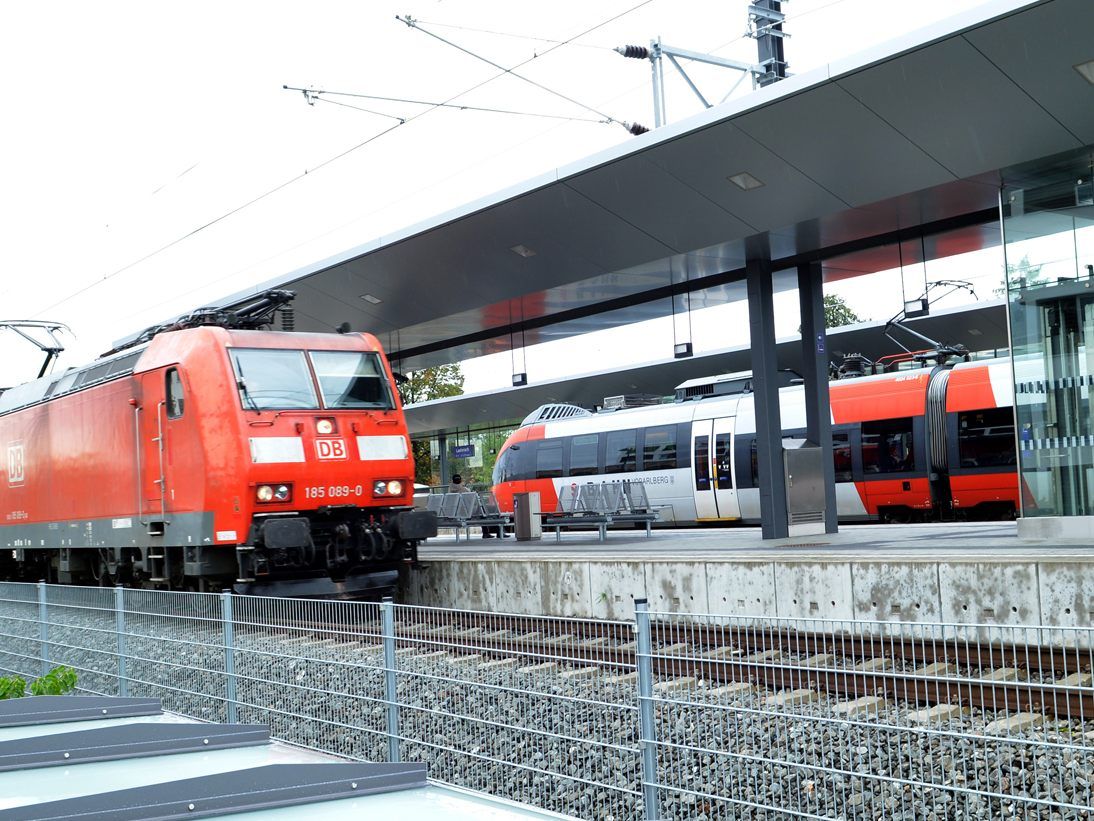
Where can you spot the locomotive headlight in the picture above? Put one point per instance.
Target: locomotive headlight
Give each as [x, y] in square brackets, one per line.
[283, 493]
[324, 427]
[264, 493]
[385, 487]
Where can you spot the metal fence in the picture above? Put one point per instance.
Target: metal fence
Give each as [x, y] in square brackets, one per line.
[714, 717]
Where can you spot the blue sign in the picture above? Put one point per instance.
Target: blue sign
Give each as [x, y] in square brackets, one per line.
[820, 343]
[463, 451]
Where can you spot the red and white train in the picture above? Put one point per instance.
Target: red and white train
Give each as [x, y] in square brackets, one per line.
[908, 445]
[208, 458]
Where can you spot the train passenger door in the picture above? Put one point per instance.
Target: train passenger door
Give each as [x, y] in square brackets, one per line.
[712, 469]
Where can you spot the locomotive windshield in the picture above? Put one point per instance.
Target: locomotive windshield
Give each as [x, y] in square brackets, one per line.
[273, 379]
[348, 379]
[277, 379]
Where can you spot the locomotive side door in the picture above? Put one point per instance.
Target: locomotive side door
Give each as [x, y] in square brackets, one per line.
[160, 396]
[712, 469]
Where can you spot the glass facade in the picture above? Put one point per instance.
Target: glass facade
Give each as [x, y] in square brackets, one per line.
[1048, 232]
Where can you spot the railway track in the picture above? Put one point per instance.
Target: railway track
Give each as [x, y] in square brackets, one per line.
[914, 670]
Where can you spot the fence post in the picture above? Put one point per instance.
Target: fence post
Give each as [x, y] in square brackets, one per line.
[387, 611]
[119, 628]
[229, 656]
[646, 727]
[43, 628]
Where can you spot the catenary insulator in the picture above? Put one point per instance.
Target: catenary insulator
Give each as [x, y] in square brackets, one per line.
[636, 52]
[637, 128]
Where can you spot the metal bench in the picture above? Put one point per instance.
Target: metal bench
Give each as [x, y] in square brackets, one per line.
[465, 510]
[601, 505]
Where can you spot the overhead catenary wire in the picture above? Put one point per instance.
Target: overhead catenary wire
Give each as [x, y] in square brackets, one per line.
[414, 24]
[213, 222]
[316, 94]
[333, 159]
[514, 35]
[312, 96]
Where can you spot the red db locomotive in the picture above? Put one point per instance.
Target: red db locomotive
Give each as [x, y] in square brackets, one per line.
[205, 457]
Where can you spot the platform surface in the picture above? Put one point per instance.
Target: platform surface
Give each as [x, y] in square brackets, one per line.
[956, 542]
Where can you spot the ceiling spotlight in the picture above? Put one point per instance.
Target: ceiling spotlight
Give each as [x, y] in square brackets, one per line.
[523, 251]
[1087, 70]
[375, 300]
[745, 181]
[975, 332]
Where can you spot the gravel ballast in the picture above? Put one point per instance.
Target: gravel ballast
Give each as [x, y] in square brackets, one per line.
[570, 743]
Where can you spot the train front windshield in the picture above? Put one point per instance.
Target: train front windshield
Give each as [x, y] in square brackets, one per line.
[273, 379]
[348, 379]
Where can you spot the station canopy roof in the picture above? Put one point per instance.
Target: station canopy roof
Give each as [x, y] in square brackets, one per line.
[902, 147]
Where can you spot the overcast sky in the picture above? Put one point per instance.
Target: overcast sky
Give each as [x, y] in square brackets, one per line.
[152, 161]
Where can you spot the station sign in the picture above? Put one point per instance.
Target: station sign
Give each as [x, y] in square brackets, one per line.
[463, 451]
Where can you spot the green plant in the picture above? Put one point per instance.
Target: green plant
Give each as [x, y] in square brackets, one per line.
[12, 687]
[56, 682]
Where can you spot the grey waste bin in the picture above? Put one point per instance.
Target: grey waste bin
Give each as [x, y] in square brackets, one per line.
[526, 521]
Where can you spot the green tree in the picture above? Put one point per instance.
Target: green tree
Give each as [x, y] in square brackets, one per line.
[837, 313]
[439, 382]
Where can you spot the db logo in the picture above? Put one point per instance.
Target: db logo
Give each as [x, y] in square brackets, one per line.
[330, 448]
[16, 464]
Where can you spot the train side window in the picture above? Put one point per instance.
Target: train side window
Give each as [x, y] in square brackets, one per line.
[583, 452]
[985, 438]
[659, 448]
[549, 460]
[621, 454]
[723, 461]
[175, 398]
[511, 463]
[841, 457]
[523, 460]
[702, 463]
[887, 446]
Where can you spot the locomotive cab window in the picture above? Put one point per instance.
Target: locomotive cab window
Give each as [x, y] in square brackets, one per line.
[516, 463]
[272, 379]
[174, 394]
[350, 379]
